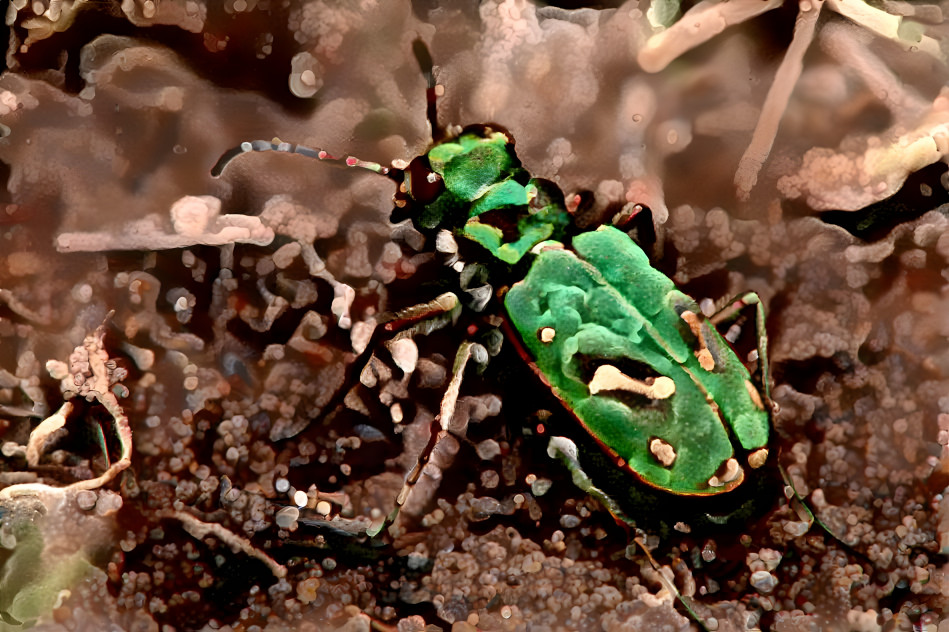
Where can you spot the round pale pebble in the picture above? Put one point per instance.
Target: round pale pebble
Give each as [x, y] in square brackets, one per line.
[300, 498]
[192, 214]
[305, 75]
[86, 499]
[404, 354]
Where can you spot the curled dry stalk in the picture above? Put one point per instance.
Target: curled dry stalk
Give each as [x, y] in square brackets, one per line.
[32, 580]
[93, 375]
[95, 382]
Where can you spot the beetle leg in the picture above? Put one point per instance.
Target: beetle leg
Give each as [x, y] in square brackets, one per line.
[443, 431]
[420, 319]
[566, 451]
[808, 517]
[687, 602]
[730, 312]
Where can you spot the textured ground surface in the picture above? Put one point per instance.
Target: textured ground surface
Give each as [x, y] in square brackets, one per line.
[114, 114]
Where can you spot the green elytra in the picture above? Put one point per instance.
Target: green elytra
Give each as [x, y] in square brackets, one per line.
[677, 405]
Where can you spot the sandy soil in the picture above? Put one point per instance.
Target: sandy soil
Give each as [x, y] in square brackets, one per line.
[230, 312]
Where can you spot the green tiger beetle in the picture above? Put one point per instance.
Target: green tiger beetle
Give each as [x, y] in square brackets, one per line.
[631, 357]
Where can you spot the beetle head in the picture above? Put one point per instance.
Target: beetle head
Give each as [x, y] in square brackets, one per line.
[474, 184]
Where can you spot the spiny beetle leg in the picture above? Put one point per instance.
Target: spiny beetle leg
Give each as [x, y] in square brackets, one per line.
[730, 313]
[797, 503]
[667, 583]
[424, 318]
[418, 319]
[441, 428]
[566, 451]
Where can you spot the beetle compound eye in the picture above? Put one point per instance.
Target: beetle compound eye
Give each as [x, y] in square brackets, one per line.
[663, 451]
[422, 184]
[419, 188]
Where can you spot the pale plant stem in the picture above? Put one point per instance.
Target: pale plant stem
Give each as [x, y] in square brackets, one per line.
[699, 24]
[200, 530]
[885, 25]
[777, 100]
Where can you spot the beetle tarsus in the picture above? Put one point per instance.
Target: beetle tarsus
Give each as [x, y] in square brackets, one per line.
[440, 430]
[686, 602]
[804, 511]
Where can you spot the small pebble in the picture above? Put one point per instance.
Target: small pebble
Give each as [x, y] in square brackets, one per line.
[490, 479]
[286, 517]
[763, 581]
[299, 498]
[569, 521]
[86, 499]
[488, 449]
[796, 529]
[541, 486]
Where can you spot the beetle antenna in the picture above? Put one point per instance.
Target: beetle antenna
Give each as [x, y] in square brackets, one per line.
[424, 58]
[291, 148]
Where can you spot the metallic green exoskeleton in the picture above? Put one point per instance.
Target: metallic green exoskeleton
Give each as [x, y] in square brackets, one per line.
[629, 355]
